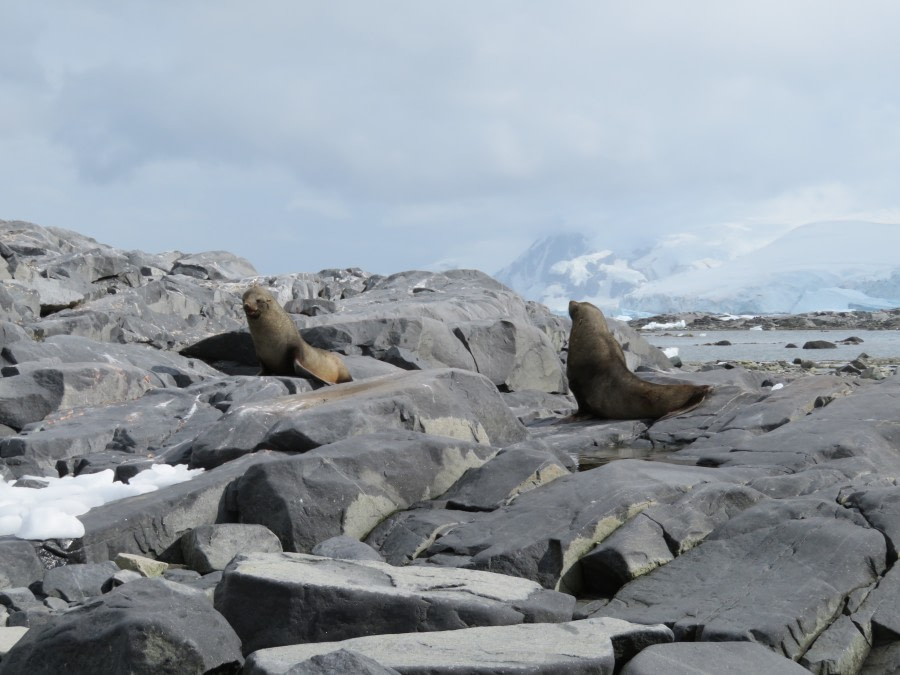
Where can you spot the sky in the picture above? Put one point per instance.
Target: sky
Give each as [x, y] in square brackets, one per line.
[397, 135]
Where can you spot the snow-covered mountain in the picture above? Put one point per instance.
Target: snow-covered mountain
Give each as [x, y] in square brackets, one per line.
[837, 265]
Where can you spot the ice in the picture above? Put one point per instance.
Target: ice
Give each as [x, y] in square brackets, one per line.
[52, 512]
[675, 325]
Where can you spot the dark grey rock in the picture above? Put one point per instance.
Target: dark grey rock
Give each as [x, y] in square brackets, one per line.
[147, 626]
[152, 524]
[160, 418]
[172, 369]
[17, 599]
[19, 563]
[453, 403]
[881, 508]
[542, 534]
[211, 547]
[819, 344]
[346, 548]
[797, 563]
[503, 478]
[530, 405]
[634, 549]
[276, 599]
[403, 536]
[841, 648]
[578, 647]
[710, 658]
[78, 582]
[350, 486]
[341, 661]
[514, 356]
[35, 392]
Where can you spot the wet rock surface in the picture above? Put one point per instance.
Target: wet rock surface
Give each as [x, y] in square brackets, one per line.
[758, 531]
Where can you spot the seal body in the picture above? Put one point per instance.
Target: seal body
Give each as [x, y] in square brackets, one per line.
[601, 382]
[278, 344]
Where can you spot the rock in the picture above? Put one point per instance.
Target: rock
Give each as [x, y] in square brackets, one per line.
[501, 479]
[152, 524]
[341, 661]
[514, 356]
[18, 599]
[211, 547]
[403, 536]
[577, 647]
[841, 648]
[819, 344]
[19, 564]
[543, 534]
[161, 418]
[266, 596]
[346, 548]
[350, 486]
[452, 403]
[881, 508]
[34, 393]
[214, 265]
[146, 567]
[146, 626]
[797, 561]
[9, 636]
[78, 582]
[710, 658]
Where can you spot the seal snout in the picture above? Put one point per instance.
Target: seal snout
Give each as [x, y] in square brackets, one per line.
[251, 311]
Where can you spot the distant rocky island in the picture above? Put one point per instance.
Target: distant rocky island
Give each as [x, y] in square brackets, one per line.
[441, 513]
[887, 319]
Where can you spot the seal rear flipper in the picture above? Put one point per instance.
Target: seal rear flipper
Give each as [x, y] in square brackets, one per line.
[690, 404]
[303, 371]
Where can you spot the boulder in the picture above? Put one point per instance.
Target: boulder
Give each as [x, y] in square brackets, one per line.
[454, 403]
[578, 647]
[350, 486]
[543, 533]
[159, 419]
[78, 582]
[19, 563]
[343, 547]
[274, 599]
[797, 562]
[152, 524]
[211, 547]
[146, 626]
[710, 658]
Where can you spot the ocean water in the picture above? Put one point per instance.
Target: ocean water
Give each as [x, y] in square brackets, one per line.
[770, 345]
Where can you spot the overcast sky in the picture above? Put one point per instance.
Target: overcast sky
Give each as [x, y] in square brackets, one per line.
[393, 135]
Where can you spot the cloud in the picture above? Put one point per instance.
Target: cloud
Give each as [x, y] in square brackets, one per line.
[458, 131]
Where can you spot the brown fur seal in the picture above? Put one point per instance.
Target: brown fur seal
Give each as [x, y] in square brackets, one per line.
[601, 382]
[280, 348]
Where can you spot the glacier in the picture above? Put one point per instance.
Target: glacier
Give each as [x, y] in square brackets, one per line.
[821, 266]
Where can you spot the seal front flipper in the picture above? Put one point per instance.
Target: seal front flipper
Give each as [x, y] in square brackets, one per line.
[303, 371]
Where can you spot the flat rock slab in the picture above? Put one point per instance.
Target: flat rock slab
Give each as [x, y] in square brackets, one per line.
[584, 647]
[275, 599]
[710, 658]
[351, 486]
[145, 627]
[447, 402]
[777, 574]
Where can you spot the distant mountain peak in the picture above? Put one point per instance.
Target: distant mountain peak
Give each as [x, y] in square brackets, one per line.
[835, 265]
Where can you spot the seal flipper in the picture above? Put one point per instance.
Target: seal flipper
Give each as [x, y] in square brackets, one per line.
[302, 371]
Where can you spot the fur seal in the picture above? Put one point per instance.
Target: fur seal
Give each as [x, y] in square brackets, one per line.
[601, 382]
[278, 344]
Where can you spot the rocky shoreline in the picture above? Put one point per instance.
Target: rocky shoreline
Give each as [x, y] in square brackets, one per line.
[703, 321]
[440, 513]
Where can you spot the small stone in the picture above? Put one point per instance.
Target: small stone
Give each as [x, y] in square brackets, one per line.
[146, 567]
